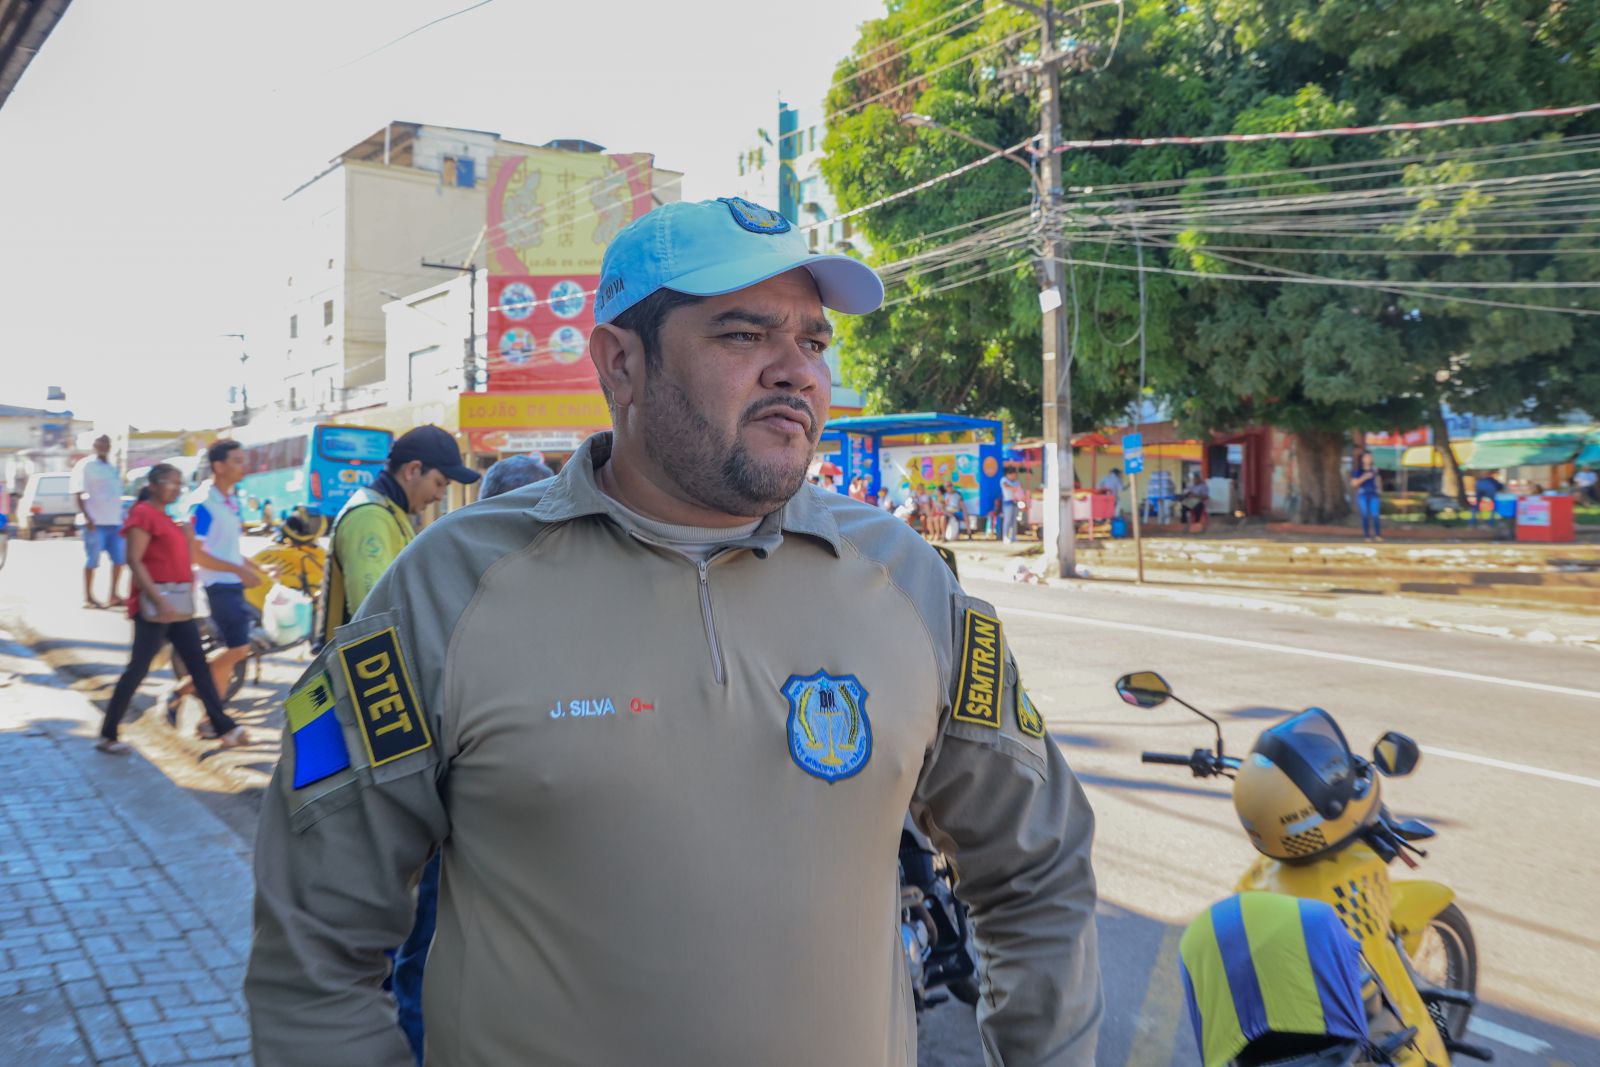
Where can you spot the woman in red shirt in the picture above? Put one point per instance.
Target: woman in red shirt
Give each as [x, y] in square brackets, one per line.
[158, 554]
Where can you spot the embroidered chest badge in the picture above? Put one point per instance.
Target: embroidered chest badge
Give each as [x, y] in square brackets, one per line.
[830, 736]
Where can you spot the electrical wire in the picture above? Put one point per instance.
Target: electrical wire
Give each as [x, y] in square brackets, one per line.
[1116, 38]
[919, 187]
[1008, 39]
[1386, 287]
[945, 288]
[1342, 131]
[946, 32]
[412, 33]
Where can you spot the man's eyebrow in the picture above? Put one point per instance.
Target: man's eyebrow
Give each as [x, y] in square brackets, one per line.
[819, 325]
[746, 317]
[749, 318]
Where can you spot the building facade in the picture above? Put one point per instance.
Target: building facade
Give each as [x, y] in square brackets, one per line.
[785, 173]
[362, 229]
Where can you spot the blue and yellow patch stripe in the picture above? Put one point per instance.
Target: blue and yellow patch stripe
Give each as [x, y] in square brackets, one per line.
[315, 735]
[1261, 963]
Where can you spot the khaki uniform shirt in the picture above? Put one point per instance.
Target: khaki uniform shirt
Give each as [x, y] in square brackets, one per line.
[669, 798]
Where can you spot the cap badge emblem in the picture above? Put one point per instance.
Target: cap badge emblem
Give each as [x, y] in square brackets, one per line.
[754, 217]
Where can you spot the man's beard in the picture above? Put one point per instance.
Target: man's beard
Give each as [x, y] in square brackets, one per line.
[721, 475]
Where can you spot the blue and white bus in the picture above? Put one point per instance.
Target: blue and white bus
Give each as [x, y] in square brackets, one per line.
[318, 466]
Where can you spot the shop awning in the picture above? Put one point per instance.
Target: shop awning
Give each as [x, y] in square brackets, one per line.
[1427, 457]
[1590, 456]
[1538, 447]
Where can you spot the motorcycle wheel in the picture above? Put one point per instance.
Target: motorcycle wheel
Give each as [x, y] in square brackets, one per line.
[1448, 958]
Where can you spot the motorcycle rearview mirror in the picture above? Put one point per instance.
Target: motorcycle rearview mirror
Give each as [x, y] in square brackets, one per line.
[1145, 689]
[1395, 755]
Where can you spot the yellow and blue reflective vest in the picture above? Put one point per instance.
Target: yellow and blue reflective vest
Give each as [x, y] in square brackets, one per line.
[1268, 963]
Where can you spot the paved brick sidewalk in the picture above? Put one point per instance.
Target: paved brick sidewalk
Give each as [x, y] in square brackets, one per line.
[124, 903]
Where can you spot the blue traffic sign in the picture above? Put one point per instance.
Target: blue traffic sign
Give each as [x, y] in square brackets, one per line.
[1133, 453]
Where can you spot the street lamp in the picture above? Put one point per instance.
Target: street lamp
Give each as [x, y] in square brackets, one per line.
[1060, 537]
[242, 416]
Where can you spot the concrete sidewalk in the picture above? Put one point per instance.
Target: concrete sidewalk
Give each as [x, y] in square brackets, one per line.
[124, 903]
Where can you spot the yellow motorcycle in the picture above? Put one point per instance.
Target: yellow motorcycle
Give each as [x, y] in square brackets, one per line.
[1320, 959]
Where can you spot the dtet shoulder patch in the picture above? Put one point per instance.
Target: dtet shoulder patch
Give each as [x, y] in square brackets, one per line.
[982, 667]
[391, 720]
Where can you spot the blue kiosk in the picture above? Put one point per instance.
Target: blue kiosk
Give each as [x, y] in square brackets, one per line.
[855, 445]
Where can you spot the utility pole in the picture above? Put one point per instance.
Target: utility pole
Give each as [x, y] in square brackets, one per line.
[1060, 537]
[469, 361]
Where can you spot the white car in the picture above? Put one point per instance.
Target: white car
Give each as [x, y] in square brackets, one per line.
[46, 505]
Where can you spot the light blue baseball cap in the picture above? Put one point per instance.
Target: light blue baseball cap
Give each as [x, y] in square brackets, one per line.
[712, 247]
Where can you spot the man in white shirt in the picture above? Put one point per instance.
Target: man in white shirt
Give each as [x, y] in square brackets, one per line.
[214, 531]
[1010, 498]
[97, 486]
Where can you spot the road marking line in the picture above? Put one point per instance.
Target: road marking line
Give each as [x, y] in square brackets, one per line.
[1467, 757]
[1156, 1025]
[1504, 1035]
[1314, 653]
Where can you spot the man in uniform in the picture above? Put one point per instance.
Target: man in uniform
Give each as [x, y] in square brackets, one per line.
[663, 716]
[375, 524]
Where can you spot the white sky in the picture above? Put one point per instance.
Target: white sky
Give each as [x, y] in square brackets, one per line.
[147, 150]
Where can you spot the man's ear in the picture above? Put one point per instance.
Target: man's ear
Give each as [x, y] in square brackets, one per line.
[618, 357]
[408, 472]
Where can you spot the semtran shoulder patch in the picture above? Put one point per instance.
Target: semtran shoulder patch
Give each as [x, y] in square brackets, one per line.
[982, 669]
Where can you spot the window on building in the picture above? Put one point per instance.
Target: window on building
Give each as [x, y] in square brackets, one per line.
[330, 262]
[461, 171]
[291, 281]
[294, 398]
[294, 326]
[813, 236]
[327, 313]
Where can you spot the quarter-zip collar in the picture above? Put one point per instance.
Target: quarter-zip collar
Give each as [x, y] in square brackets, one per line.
[576, 494]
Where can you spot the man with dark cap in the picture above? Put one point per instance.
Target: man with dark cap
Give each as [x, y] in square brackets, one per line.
[376, 522]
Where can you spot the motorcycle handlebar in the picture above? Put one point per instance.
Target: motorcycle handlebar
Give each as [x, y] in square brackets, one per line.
[1163, 757]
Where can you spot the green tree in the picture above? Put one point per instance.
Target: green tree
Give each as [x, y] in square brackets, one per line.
[1312, 358]
[974, 347]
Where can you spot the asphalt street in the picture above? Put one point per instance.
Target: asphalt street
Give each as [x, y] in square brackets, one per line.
[1510, 778]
